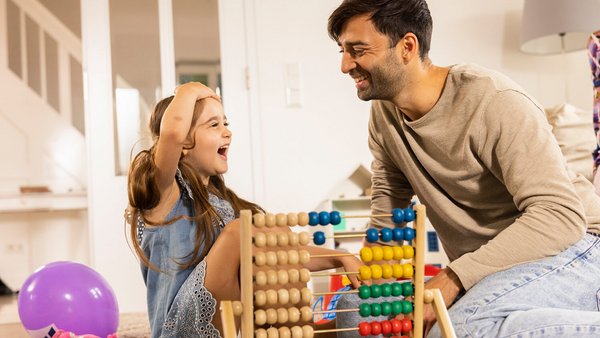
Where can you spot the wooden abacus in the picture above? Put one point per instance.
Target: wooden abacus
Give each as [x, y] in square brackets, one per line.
[250, 319]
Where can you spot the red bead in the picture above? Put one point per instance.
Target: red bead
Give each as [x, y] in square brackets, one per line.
[386, 327]
[364, 329]
[375, 328]
[396, 325]
[406, 325]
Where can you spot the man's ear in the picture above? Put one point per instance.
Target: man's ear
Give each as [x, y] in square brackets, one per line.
[408, 47]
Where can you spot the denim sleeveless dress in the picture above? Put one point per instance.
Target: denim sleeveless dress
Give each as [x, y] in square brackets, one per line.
[178, 303]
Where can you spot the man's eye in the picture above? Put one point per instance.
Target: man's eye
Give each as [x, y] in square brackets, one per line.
[214, 124]
[226, 124]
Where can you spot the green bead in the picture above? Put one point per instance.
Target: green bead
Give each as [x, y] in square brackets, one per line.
[407, 289]
[386, 290]
[396, 289]
[386, 308]
[407, 307]
[364, 309]
[375, 309]
[397, 308]
[364, 291]
[375, 291]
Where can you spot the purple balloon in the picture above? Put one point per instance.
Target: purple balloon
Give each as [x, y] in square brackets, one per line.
[71, 296]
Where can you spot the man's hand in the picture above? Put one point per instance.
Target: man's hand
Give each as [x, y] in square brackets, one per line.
[450, 286]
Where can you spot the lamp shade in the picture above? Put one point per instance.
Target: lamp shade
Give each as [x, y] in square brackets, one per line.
[555, 26]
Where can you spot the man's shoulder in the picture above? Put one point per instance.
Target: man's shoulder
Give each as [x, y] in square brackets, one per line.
[470, 74]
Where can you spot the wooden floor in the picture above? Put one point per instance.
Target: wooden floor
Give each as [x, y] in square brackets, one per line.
[131, 325]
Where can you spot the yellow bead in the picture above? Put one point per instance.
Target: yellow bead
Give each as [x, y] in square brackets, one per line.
[408, 270]
[388, 253]
[398, 271]
[366, 254]
[398, 253]
[376, 272]
[409, 251]
[364, 272]
[377, 253]
[387, 271]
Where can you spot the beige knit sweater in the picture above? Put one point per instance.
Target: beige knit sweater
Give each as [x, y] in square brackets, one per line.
[486, 165]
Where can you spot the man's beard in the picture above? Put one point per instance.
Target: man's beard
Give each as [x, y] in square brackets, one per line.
[385, 80]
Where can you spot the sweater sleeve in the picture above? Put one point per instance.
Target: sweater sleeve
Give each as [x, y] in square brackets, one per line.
[389, 185]
[517, 145]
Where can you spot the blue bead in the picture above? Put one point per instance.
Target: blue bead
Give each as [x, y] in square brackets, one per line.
[324, 218]
[397, 215]
[409, 215]
[409, 234]
[319, 238]
[398, 234]
[372, 235]
[313, 218]
[386, 235]
[335, 217]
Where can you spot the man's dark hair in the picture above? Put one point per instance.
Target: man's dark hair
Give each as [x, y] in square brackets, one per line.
[394, 18]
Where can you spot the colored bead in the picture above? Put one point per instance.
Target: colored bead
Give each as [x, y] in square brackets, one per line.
[407, 289]
[376, 271]
[366, 254]
[409, 234]
[398, 272]
[409, 251]
[398, 234]
[324, 218]
[396, 289]
[386, 290]
[364, 272]
[375, 291]
[398, 253]
[407, 307]
[397, 215]
[364, 292]
[397, 308]
[364, 309]
[386, 271]
[406, 325]
[388, 253]
[396, 325]
[319, 238]
[408, 270]
[313, 218]
[386, 327]
[375, 309]
[377, 253]
[372, 235]
[335, 217]
[386, 308]
[386, 235]
[375, 328]
[409, 215]
[364, 329]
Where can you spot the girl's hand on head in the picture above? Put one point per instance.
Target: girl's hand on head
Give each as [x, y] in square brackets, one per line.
[199, 90]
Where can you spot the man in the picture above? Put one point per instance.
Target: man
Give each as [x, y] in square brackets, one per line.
[520, 230]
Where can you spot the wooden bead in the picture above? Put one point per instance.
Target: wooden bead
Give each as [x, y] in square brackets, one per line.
[281, 220]
[293, 257]
[296, 332]
[292, 219]
[271, 239]
[260, 333]
[282, 239]
[272, 277]
[387, 271]
[305, 314]
[259, 220]
[282, 257]
[271, 297]
[271, 258]
[260, 240]
[260, 259]
[294, 295]
[272, 333]
[260, 298]
[270, 220]
[293, 238]
[282, 277]
[285, 332]
[304, 256]
[306, 295]
[271, 316]
[305, 238]
[282, 315]
[283, 296]
[308, 331]
[302, 219]
[304, 275]
[428, 297]
[260, 317]
[293, 315]
[294, 275]
[388, 253]
[398, 253]
[238, 309]
[261, 278]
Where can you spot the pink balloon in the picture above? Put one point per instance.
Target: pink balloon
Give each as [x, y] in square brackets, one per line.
[69, 296]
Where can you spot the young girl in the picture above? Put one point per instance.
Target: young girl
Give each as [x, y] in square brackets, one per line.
[185, 228]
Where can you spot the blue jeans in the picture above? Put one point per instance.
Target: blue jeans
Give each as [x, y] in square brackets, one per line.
[554, 297]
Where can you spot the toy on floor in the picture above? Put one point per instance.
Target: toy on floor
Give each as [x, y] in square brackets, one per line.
[67, 296]
[405, 299]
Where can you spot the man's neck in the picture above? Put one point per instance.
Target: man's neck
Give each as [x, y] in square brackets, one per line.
[423, 90]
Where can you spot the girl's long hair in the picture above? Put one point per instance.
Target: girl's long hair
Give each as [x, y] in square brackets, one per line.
[143, 194]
